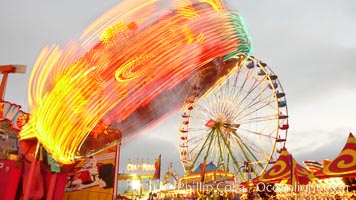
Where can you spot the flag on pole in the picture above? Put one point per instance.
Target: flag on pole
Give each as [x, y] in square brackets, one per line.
[157, 174]
[202, 170]
[175, 175]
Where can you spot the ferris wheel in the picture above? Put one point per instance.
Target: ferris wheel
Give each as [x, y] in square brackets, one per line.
[239, 125]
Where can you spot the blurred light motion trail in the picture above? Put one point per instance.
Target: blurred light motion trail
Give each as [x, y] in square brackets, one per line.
[131, 69]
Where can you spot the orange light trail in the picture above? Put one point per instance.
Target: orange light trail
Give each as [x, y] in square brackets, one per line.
[134, 74]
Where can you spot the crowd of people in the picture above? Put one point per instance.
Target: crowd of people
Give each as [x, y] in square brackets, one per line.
[216, 195]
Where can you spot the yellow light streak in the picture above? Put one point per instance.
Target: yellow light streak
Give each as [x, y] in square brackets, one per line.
[75, 88]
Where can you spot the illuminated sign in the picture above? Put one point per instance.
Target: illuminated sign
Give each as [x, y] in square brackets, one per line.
[142, 167]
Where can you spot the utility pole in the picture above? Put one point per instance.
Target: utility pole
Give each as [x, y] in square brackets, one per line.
[117, 166]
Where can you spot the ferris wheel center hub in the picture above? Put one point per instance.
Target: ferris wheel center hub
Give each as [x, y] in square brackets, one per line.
[212, 123]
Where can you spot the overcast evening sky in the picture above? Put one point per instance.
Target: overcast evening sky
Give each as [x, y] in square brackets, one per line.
[310, 45]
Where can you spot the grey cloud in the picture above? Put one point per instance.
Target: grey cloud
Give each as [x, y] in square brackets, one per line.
[310, 45]
[317, 144]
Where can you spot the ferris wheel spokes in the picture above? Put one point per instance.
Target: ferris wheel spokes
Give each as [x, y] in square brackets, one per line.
[243, 120]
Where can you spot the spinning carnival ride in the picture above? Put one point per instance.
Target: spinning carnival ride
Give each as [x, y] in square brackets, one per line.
[134, 76]
[132, 68]
[239, 125]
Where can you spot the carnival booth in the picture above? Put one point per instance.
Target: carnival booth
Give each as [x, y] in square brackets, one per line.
[284, 178]
[207, 174]
[12, 118]
[207, 180]
[344, 165]
[335, 179]
[286, 170]
[141, 178]
[339, 175]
